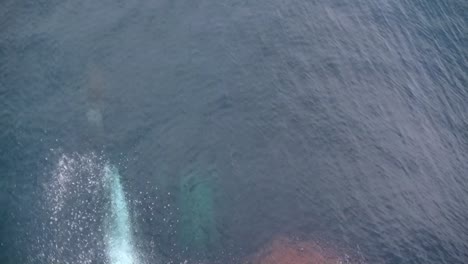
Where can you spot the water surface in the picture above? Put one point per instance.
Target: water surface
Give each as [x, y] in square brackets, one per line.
[343, 122]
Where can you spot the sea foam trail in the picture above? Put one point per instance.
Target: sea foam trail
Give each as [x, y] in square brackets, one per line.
[119, 240]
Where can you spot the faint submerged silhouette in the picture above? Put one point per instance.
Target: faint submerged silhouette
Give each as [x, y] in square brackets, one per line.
[198, 234]
[94, 93]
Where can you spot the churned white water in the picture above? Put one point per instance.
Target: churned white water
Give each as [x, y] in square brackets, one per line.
[87, 214]
[119, 241]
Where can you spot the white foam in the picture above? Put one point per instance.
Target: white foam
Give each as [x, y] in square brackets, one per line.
[119, 239]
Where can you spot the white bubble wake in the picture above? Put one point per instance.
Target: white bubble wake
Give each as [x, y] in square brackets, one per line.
[87, 214]
[119, 240]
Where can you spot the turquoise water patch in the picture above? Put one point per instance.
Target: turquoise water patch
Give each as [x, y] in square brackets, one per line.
[198, 234]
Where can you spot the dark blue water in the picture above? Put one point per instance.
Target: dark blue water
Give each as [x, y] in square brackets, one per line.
[344, 122]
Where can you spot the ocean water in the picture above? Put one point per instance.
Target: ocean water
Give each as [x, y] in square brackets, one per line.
[340, 122]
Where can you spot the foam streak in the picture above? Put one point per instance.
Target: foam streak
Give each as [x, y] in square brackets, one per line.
[120, 249]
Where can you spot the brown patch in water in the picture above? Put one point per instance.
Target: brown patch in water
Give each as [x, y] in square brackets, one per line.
[286, 251]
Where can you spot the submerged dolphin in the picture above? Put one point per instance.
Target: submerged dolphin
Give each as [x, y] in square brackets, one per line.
[95, 87]
[118, 231]
[198, 234]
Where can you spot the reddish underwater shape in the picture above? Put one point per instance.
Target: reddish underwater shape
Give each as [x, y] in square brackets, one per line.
[287, 251]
